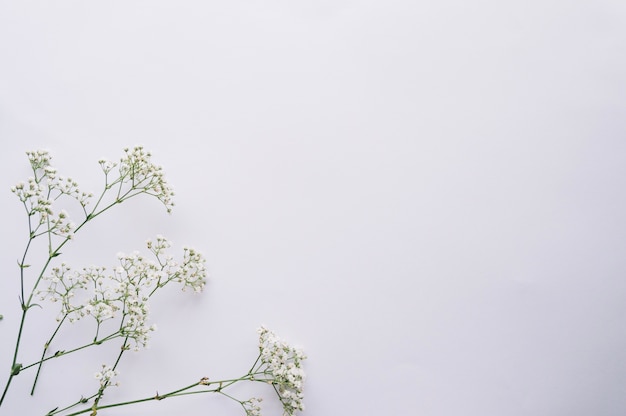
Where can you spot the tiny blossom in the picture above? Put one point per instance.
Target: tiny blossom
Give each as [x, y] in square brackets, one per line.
[28, 192]
[61, 225]
[39, 159]
[44, 208]
[158, 246]
[283, 364]
[192, 272]
[63, 285]
[50, 172]
[252, 406]
[41, 191]
[100, 309]
[137, 270]
[69, 187]
[137, 168]
[107, 166]
[135, 325]
[105, 376]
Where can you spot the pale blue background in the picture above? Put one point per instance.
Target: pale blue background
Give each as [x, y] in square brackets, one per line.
[428, 196]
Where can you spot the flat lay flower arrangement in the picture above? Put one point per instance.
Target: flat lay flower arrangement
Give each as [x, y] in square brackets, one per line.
[115, 300]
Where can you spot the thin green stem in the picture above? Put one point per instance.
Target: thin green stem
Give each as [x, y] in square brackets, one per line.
[221, 384]
[43, 353]
[82, 400]
[14, 369]
[22, 264]
[6, 387]
[255, 363]
[62, 353]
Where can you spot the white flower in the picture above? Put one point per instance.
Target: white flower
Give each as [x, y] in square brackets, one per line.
[252, 406]
[282, 363]
[192, 272]
[137, 168]
[101, 310]
[62, 285]
[39, 159]
[106, 165]
[42, 190]
[105, 376]
[28, 192]
[135, 324]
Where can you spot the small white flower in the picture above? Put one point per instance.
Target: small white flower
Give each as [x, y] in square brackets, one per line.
[283, 364]
[137, 168]
[105, 376]
[252, 406]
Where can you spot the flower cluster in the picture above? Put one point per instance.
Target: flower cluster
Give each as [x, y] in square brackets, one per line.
[102, 305]
[69, 187]
[252, 406]
[126, 290]
[40, 191]
[45, 173]
[192, 271]
[137, 168]
[105, 376]
[283, 364]
[30, 192]
[63, 285]
[134, 303]
[39, 159]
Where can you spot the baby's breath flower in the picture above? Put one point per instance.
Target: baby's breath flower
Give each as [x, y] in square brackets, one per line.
[283, 364]
[159, 245]
[106, 165]
[252, 406]
[30, 191]
[137, 168]
[124, 293]
[100, 309]
[50, 172]
[62, 286]
[39, 159]
[105, 376]
[61, 225]
[137, 270]
[135, 325]
[192, 272]
[69, 187]
[44, 208]
[41, 191]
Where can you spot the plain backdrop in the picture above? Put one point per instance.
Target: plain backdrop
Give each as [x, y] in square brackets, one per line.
[427, 196]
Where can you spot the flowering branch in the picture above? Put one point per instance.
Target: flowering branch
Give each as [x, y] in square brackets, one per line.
[116, 300]
[277, 364]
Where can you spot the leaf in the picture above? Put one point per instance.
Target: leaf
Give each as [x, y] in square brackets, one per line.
[22, 265]
[15, 370]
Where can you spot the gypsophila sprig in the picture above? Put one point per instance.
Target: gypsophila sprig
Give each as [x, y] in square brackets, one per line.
[113, 303]
[105, 376]
[282, 364]
[124, 292]
[252, 406]
[137, 168]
